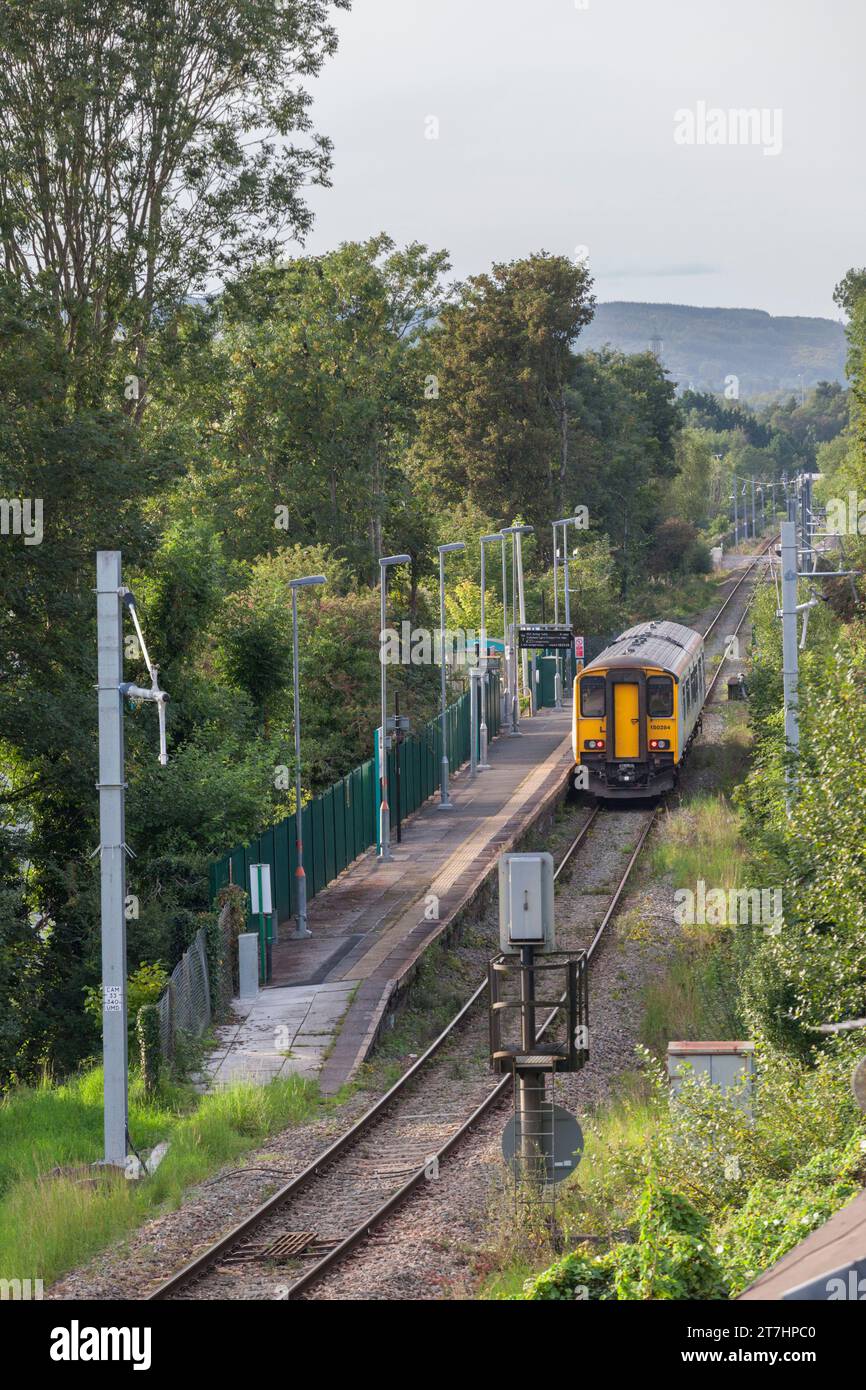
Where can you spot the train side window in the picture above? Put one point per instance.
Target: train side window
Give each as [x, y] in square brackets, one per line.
[592, 697]
[659, 697]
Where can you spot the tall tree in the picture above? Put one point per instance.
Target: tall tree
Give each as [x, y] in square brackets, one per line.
[850, 295]
[327, 353]
[625, 428]
[497, 422]
[146, 147]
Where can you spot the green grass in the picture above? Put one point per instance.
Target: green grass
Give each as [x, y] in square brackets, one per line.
[597, 1199]
[727, 760]
[696, 998]
[700, 840]
[440, 988]
[508, 1282]
[49, 1225]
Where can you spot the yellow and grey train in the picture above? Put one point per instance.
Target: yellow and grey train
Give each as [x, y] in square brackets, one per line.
[637, 708]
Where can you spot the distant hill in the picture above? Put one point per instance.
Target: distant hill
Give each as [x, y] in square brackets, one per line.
[700, 347]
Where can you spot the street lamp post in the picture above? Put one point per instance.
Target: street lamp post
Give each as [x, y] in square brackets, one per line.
[483, 764]
[514, 532]
[384, 808]
[527, 662]
[445, 803]
[506, 694]
[301, 929]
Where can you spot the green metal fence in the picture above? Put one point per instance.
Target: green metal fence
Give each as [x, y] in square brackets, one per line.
[342, 822]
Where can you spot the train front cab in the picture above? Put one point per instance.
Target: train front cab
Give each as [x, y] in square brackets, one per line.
[626, 729]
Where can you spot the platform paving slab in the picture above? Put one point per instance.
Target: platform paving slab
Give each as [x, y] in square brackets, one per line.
[281, 1031]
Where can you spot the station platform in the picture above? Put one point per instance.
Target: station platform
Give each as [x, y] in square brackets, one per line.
[328, 995]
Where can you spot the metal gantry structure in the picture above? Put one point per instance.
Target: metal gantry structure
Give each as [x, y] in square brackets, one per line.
[799, 554]
[112, 598]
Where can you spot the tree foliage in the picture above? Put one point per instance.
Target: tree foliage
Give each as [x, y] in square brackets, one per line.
[146, 146]
[497, 420]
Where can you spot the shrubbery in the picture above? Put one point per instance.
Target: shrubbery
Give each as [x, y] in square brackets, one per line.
[670, 1259]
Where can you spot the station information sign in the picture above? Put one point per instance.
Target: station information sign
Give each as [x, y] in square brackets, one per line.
[531, 635]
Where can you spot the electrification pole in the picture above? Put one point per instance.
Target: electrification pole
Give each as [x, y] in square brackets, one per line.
[111, 598]
[112, 853]
[525, 665]
[790, 656]
[807, 521]
[565, 522]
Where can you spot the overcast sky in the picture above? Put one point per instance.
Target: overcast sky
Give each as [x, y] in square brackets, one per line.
[556, 130]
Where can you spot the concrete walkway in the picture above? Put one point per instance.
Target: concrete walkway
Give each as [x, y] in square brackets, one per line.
[283, 1030]
[373, 922]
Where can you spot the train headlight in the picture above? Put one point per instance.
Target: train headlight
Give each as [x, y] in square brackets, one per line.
[597, 743]
[659, 743]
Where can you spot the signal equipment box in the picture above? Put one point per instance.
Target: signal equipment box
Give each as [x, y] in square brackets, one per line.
[526, 902]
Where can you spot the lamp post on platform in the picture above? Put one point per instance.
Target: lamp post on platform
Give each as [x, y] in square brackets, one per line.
[384, 809]
[485, 540]
[445, 803]
[515, 532]
[301, 931]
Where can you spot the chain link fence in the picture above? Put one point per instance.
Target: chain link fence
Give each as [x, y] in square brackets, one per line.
[185, 1005]
[199, 990]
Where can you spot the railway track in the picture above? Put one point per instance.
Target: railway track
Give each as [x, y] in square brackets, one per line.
[350, 1189]
[742, 618]
[316, 1219]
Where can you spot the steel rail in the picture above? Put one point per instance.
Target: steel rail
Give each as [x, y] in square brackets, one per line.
[496, 1093]
[197, 1268]
[712, 685]
[760, 555]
